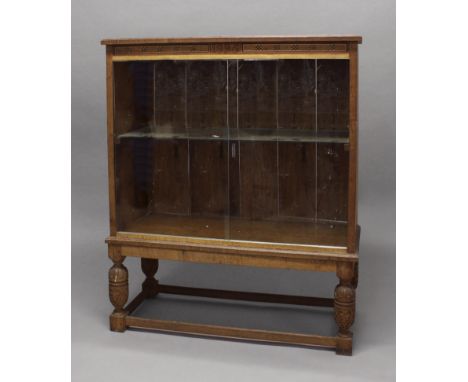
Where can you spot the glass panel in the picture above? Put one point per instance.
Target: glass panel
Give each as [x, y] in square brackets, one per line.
[258, 157]
[207, 129]
[292, 136]
[171, 147]
[332, 157]
[296, 118]
[241, 150]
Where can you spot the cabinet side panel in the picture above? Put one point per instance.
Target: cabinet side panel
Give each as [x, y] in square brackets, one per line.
[110, 139]
[353, 148]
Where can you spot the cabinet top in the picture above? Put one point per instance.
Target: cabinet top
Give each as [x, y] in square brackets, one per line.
[231, 39]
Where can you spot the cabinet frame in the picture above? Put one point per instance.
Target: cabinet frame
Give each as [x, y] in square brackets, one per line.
[152, 247]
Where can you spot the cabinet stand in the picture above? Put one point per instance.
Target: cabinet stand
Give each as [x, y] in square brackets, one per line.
[122, 317]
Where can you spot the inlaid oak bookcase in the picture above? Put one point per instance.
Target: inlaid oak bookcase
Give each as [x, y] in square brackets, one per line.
[234, 150]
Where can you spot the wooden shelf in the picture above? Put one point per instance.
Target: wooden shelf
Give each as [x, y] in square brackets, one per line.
[224, 134]
[293, 232]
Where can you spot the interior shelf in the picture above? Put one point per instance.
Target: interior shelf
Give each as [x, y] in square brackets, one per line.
[250, 134]
[296, 232]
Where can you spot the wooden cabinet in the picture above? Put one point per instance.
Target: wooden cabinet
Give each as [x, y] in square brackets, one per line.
[234, 151]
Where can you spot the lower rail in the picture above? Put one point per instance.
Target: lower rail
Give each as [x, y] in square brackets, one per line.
[231, 332]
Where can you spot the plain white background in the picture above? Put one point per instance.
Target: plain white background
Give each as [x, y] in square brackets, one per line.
[35, 199]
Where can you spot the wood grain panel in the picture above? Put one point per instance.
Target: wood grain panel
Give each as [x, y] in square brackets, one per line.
[297, 179]
[143, 92]
[123, 101]
[208, 177]
[257, 94]
[169, 93]
[170, 183]
[235, 256]
[232, 332]
[332, 95]
[206, 94]
[332, 181]
[258, 179]
[258, 160]
[296, 94]
[125, 193]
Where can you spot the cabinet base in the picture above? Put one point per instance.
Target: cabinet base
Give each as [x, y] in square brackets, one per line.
[120, 322]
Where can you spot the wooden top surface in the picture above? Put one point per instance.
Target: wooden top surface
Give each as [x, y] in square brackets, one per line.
[231, 39]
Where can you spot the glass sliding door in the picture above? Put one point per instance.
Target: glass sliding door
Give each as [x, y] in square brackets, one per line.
[292, 133]
[250, 150]
[171, 147]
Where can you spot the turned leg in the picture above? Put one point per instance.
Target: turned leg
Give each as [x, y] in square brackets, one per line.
[150, 285]
[345, 297]
[118, 290]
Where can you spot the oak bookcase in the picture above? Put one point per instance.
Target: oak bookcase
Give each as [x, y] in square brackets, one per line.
[234, 150]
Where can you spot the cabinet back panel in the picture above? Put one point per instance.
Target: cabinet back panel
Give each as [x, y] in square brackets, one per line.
[208, 177]
[297, 181]
[128, 208]
[124, 100]
[332, 95]
[234, 178]
[332, 181]
[257, 94]
[187, 153]
[206, 94]
[169, 91]
[296, 94]
[170, 191]
[258, 180]
[134, 95]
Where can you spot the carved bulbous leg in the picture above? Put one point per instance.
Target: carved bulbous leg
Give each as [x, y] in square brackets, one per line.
[150, 285]
[345, 297]
[118, 290]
